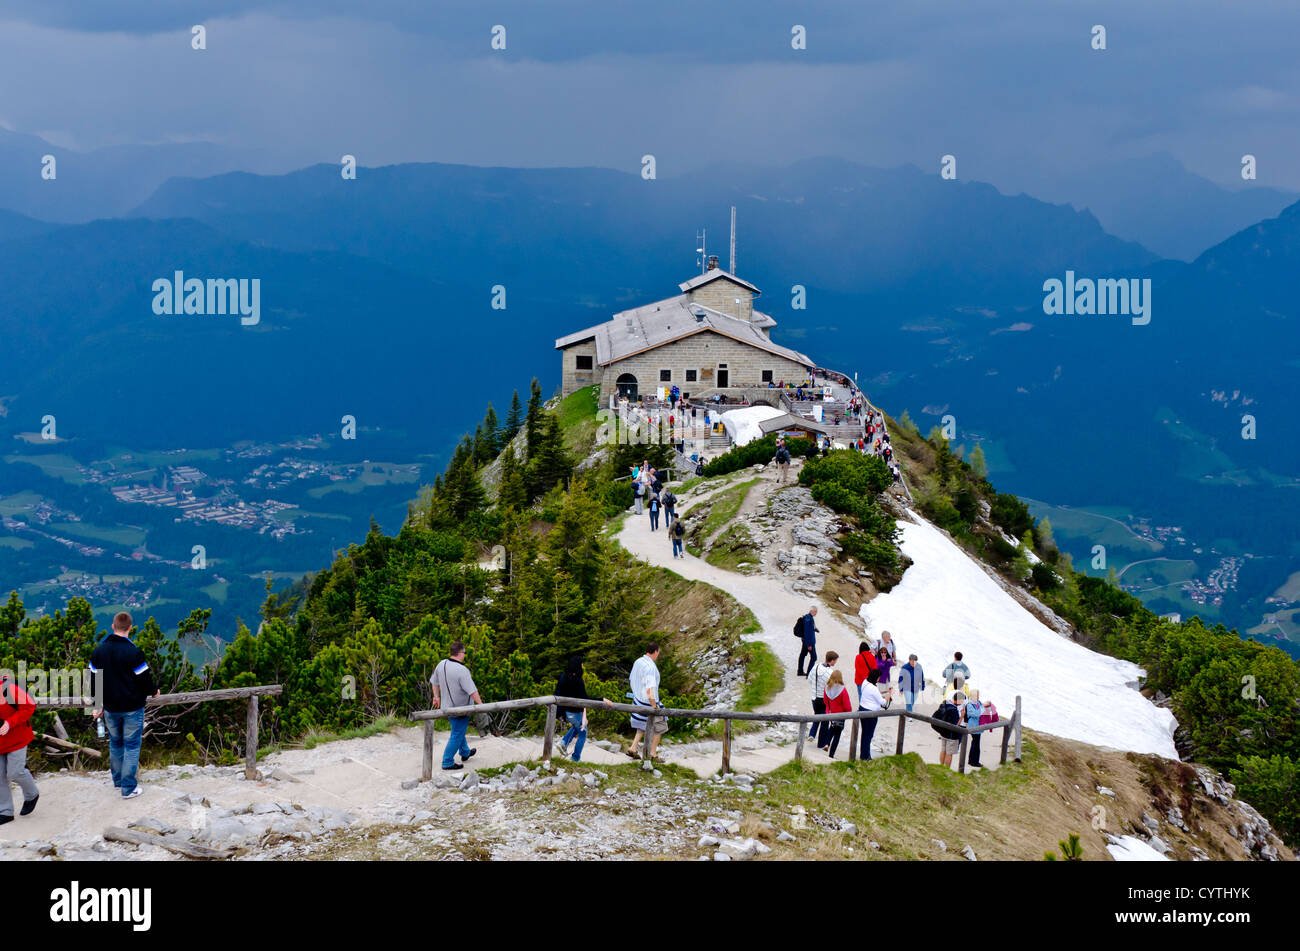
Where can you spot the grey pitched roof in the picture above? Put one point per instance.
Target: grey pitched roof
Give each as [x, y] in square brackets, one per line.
[713, 275]
[786, 421]
[653, 325]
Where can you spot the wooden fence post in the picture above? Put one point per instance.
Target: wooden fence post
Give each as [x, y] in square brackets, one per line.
[798, 744]
[902, 725]
[250, 740]
[649, 737]
[726, 746]
[548, 738]
[961, 758]
[1019, 728]
[853, 741]
[1006, 739]
[426, 773]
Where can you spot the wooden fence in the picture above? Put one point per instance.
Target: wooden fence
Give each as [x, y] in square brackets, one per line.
[198, 696]
[552, 703]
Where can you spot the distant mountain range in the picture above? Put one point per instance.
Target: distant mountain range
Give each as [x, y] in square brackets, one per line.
[376, 301]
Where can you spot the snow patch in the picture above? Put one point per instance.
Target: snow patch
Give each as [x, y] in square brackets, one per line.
[946, 603]
[742, 424]
[1129, 848]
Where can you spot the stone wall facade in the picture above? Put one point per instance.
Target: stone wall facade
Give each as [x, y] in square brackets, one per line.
[720, 294]
[701, 352]
[572, 378]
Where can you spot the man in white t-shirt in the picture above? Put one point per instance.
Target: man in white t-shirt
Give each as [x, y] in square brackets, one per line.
[645, 693]
[454, 687]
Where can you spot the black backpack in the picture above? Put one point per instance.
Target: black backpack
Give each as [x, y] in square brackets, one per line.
[798, 629]
[948, 713]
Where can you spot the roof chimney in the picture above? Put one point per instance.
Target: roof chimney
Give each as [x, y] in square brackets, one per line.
[713, 262]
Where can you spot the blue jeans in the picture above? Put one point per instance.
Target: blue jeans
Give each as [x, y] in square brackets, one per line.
[575, 730]
[868, 725]
[456, 742]
[125, 731]
[654, 519]
[669, 515]
[909, 698]
[677, 547]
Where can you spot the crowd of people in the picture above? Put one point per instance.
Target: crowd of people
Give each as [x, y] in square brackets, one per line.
[880, 679]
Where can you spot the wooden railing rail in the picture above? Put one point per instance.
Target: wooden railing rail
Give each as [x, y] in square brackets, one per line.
[552, 703]
[250, 694]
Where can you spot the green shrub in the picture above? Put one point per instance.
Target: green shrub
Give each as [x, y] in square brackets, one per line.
[758, 452]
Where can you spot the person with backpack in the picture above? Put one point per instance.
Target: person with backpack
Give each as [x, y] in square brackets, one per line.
[654, 512]
[669, 502]
[677, 533]
[836, 700]
[950, 740]
[885, 664]
[16, 709]
[638, 493]
[972, 712]
[863, 664]
[453, 686]
[572, 685]
[911, 681]
[782, 459]
[818, 676]
[806, 630]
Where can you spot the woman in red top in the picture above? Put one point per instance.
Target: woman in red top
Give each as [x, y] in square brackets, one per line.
[16, 708]
[837, 701]
[863, 664]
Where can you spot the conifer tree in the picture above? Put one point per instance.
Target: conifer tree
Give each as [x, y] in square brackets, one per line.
[514, 418]
[978, 463]
[512, 492]
[532, 420]
[549, 463]
[492, 432]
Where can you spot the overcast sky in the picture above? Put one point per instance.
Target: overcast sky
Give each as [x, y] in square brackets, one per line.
[1012, 88]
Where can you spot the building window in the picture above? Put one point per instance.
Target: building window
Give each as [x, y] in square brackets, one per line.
[665, 376]
[584, 362]
[722, 366]
[767, 376]
[690, 376]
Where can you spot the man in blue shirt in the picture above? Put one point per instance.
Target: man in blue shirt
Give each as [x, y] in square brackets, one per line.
[809, 637]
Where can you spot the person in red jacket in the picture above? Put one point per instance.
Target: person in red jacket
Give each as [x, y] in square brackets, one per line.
[863, 664]
[16, 708]
[837, 701]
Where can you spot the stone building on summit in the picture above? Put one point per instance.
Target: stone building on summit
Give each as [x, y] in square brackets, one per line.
[707, 340]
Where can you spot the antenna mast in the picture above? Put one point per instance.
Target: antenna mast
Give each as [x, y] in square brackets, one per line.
[733, 239]
[704, 261]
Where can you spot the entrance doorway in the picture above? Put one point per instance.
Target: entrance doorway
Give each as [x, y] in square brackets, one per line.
[627, 387]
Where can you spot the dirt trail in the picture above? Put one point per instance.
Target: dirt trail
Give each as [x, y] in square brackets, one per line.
[776, 606]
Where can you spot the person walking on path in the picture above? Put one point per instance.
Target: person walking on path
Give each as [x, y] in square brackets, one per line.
[453, 685]
[644, 679]
[954, 670]
[807, 626]
[886, 665]
[911, 681]
[869, 699]
[836, 701]
[971, 711]
[122, 680]
[572, 685]
[950, 740]
[864, 663]
[16, 709]
[638, 495]
[670, 507]
[886, 640]
[782, 459]
[818, 676]
[654, 512]
[677, 533]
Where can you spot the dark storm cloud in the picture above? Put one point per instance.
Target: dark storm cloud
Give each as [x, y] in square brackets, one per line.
[1012, 88]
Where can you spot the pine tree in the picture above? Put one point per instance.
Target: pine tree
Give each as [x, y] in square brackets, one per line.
[549, 464]
[532, 420]
[514, 418]
[512, 492]
[978, 463]
[492, 432]
[905, 421]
